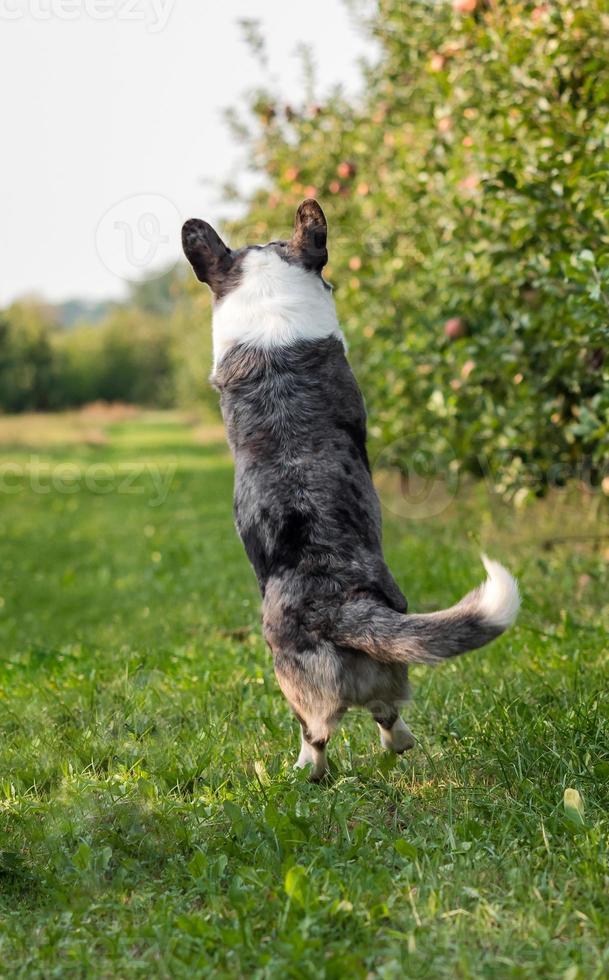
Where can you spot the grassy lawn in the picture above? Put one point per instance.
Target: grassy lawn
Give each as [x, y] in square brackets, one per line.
[151, 824]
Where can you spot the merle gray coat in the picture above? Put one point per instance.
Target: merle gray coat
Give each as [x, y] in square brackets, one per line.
[307, 511]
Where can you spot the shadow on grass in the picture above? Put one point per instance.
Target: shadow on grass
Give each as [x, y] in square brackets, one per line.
[92, 846]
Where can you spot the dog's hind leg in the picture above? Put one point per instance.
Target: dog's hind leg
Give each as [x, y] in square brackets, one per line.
[313, 755]
[310, 682]
[395, 733]
[315, 735]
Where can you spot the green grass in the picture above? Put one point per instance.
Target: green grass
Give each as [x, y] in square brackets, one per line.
[151, 824]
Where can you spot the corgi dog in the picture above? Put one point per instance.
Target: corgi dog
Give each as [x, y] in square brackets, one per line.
[304, 503]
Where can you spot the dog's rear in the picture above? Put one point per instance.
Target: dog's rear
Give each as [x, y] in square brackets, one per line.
[305, 505]
[360, 653]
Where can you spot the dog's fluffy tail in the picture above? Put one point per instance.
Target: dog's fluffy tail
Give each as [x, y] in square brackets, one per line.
[390, 637]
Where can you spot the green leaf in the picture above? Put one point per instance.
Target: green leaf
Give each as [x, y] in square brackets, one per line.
[295, 884]
[601, 770]
[198, 864]
[574, 807]
[104, 859]
[406, 850]
[82, 857]
[235, 815]
[507, 178]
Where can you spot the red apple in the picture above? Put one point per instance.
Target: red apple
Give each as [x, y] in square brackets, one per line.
[467, 369]
[465, 6]
[346, 169]
[469, 183]
[538, 13]
[455, 327]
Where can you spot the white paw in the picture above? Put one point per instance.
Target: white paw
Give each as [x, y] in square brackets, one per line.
[314, 758]
[304, 759]
[399, 738]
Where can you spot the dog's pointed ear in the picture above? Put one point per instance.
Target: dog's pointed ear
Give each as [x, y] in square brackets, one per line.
[210, 258]
[309, 241]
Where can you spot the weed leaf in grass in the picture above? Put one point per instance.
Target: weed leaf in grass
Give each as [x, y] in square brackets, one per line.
[295, 884]
[574, 808]
[236, 816]
[387, 762]
[86, 859]
[82, 857]
[601, 770]
[198, 864]
[406, 850]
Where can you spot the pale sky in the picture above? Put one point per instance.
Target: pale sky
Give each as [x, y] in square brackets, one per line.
[112, 122]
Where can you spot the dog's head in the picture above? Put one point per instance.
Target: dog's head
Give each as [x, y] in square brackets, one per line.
[223, 269]
[266, 296]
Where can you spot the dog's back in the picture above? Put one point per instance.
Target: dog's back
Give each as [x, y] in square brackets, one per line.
[305, 505]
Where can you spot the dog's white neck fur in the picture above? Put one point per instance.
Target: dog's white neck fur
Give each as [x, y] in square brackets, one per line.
[276, 304]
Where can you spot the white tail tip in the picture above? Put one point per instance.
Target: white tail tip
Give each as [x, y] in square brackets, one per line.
[499, 597]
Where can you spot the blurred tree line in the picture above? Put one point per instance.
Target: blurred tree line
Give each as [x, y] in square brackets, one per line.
[154, 349]
[467, 189]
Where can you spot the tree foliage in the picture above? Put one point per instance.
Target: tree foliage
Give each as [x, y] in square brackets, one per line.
[467, 190]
